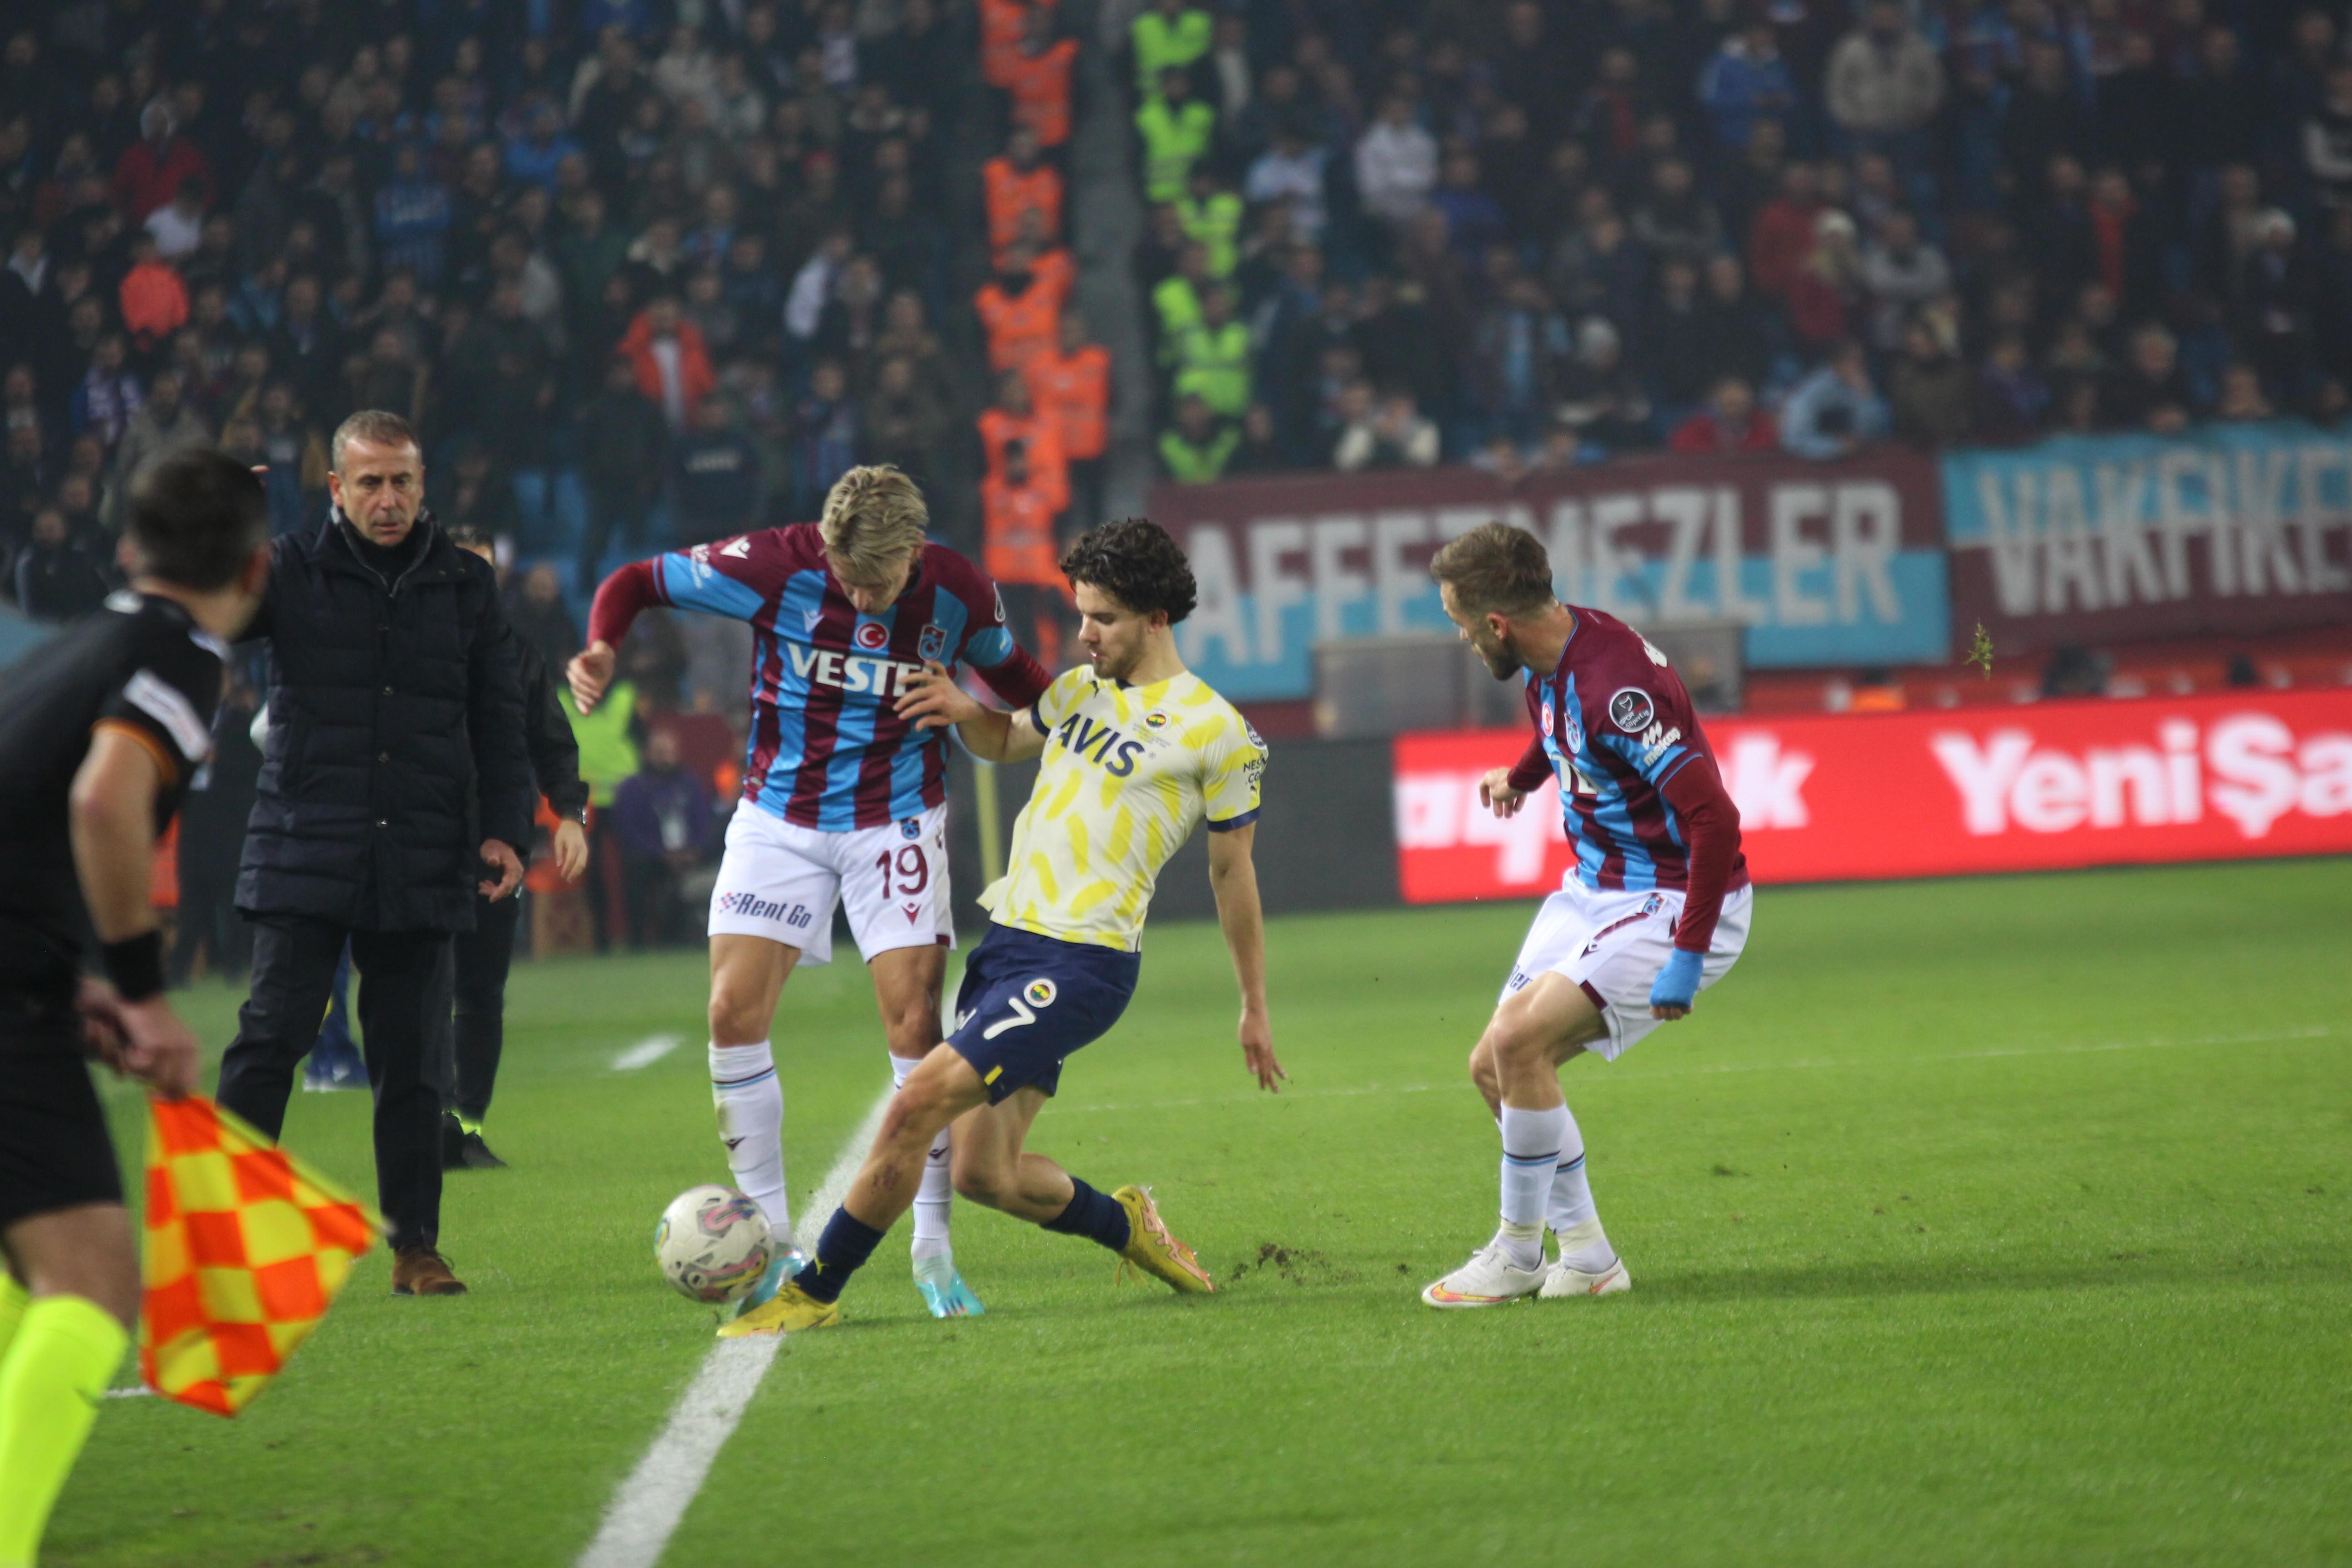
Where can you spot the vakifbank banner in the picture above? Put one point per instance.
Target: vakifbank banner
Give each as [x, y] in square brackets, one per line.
[2048, 786]
[1826, 563]
[2227, 529]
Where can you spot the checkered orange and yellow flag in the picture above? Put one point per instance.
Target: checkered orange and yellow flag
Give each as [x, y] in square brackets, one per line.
[246, 1247]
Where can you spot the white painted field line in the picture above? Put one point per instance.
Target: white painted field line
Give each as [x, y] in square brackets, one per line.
[645, 1052]
[136, 1390]
[645, 1510]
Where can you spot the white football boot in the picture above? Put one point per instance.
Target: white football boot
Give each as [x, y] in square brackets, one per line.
[1559, 1280]
[1489, 1280]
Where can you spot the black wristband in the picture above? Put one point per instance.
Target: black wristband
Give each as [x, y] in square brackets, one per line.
[136, 965]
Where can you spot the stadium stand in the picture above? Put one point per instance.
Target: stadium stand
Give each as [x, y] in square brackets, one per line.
[643, 274]
[1558, 232]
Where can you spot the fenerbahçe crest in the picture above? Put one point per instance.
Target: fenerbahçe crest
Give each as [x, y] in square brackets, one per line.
[1040, 993]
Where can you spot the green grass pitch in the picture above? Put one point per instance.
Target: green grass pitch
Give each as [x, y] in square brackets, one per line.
[2000, 1221]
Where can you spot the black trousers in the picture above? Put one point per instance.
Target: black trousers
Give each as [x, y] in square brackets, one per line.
[294, 960]
[208, 921]
[469, 1014]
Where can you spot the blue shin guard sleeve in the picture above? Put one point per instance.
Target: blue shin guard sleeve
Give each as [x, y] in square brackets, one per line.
[1093, 1215]
[841, 1251]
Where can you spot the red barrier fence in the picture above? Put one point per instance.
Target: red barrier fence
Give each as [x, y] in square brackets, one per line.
[2053, 785]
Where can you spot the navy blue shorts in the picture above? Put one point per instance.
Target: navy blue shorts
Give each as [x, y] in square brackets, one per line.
[1028, 1001]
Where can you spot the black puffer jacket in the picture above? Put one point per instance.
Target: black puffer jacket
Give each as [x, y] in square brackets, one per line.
[547, 737]
[395, 735]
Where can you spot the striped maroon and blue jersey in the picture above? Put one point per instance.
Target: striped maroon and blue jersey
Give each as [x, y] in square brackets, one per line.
[1617, 725]
[827, 748]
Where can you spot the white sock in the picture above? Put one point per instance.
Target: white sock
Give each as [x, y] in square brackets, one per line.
[751, 1105]
[936, 1196]
[1583, 1245]
[1531, 1141]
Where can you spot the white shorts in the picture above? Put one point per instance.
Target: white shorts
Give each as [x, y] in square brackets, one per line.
[1613, 944]
[781, 882]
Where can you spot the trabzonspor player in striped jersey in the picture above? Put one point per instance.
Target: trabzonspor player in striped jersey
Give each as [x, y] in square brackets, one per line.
[1654, 909]
[844, 800]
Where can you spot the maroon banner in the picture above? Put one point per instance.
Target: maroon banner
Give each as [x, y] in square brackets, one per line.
[1826, 563]
[2230, 529]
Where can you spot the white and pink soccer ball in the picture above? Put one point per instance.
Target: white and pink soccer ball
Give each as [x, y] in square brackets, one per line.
[712, 1244]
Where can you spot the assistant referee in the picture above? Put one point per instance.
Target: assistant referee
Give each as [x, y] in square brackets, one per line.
[101, 732]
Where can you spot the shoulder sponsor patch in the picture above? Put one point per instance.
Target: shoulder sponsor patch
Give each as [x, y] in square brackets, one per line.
[1630, 709]
[164, 703]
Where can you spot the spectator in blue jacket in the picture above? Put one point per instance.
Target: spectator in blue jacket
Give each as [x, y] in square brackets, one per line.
[1835, 411]
[412, 218]
[1746, 81]
[534, 156]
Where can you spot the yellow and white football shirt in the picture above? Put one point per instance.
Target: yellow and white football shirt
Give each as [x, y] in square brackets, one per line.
[1127, 771]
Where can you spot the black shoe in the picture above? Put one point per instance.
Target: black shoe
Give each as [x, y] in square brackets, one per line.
[475, 1155]
[453, 1142]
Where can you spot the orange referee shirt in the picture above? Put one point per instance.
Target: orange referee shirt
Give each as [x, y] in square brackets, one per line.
[1074, 389]
[1018, 524]
[1040, 86]
[1040, 435]
[1002, 24]
[1010, 192]
[1021, 327]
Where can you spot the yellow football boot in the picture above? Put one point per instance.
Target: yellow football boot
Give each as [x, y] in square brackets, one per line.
[792, 1310]
[1150, 1249]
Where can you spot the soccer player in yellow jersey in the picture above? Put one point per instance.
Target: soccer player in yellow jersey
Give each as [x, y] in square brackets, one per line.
[1134, 750]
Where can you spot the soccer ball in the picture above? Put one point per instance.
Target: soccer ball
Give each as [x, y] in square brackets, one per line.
[712, 1244]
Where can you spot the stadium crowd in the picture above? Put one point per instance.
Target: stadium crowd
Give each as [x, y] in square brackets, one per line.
[644, 275]
[1527, 234]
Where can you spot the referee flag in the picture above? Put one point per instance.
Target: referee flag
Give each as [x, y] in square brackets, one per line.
[246, 1247]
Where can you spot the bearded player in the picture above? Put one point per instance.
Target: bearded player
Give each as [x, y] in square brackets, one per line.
[845, 800]
[1133, 749]
[1654, 911]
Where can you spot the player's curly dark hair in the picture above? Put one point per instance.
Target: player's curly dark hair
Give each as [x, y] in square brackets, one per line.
[1135, 561]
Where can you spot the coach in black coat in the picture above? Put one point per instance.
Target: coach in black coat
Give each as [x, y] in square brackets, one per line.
[394, 768]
